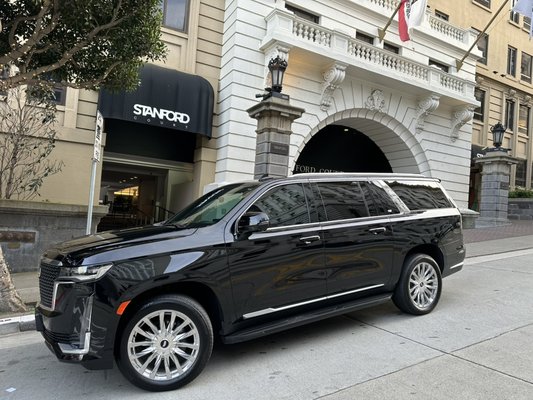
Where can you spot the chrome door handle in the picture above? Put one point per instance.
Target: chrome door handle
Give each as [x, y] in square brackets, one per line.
[377, 231]
[309, 239]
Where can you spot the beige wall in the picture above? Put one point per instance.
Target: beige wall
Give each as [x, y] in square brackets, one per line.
[493, 77]
[197, 52]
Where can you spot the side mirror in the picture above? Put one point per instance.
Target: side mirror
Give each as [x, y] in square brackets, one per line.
[253, 221]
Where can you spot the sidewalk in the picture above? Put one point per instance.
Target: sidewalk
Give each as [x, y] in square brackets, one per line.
[479, 242]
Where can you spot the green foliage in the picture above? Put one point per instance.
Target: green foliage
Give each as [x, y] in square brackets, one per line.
[520, 193]
[80, 43]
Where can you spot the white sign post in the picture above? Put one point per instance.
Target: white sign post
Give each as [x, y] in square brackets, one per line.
[97, 154]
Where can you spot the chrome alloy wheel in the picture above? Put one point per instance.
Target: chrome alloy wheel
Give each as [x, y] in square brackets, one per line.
[163, 345]
[423, 285]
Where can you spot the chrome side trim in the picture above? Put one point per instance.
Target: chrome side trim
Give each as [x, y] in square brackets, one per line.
[457, 265]
[67, 348]
[355, 291]
[303, 303]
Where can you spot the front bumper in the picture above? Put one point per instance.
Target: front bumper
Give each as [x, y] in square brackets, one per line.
[72, 332]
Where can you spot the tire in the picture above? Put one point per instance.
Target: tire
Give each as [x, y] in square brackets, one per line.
[420, 285]
[158, 359]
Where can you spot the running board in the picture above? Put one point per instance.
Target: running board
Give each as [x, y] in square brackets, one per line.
[305, 318]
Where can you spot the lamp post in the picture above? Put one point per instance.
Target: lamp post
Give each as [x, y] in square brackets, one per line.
[498, 131]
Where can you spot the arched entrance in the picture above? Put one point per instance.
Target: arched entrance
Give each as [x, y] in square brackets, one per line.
[338, 148]
[393, 146]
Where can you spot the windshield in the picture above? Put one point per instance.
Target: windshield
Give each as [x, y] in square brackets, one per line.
[212, 207]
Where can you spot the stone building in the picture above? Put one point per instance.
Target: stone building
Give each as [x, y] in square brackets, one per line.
[503, 82]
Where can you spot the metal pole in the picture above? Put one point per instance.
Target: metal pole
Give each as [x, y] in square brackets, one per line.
[91, 198]
[383, 32]
[459, 63]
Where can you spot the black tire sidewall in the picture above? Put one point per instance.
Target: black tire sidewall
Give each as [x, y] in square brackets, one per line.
[401, 296]
[198, 316]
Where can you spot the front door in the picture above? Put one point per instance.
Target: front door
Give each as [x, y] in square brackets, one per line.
[281, 268]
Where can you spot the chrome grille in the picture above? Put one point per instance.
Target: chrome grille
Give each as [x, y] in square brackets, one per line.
[48, 275]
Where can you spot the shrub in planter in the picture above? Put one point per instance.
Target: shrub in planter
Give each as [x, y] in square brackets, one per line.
[520, 193]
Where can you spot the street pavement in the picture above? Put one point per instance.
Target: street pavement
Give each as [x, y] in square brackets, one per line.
[475, 345]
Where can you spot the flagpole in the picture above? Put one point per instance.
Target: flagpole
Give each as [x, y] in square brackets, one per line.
[383, 32]
[459, 63]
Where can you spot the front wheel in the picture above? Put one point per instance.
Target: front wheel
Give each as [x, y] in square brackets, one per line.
[166, 344]
[418, 290]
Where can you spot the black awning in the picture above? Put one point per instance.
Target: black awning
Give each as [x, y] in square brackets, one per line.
[165, 98]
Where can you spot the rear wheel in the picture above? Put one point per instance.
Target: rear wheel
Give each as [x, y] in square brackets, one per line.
[419, 288]
[166, 344]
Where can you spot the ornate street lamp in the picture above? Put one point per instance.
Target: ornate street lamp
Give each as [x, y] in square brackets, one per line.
[277, 67]
[498, 131]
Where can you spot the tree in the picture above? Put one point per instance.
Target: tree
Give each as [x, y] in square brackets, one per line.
[10, 301]
[84, 44]
[27, 118]
[79, 43]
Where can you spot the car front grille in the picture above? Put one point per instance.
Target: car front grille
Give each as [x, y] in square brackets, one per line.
[48, 275]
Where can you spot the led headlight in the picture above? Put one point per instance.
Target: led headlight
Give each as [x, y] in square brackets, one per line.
[83, 274]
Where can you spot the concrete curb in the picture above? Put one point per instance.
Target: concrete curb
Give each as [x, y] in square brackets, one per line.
[17, 324]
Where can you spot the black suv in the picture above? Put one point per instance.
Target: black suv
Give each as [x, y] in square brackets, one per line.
[246, 260]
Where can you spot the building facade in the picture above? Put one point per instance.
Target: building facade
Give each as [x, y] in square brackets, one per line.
[370, 105]
[503, 82]
[149, 165]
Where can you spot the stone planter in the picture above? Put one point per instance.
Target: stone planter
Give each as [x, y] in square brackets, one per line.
[521, 209]
[27, 228]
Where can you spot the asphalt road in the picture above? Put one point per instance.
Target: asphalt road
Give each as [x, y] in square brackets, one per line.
[477, 344]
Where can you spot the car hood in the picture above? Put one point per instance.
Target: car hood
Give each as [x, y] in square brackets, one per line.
[89, 249]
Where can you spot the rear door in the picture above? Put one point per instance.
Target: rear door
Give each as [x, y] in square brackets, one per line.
[357, 236]
[283, 267]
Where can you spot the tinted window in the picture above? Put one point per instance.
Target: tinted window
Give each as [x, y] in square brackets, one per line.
[420, 195]
[343, 200]
[284, 205]
[377, 199]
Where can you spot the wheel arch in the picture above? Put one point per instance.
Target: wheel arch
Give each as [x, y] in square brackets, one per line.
[199, 292]
[429, 249]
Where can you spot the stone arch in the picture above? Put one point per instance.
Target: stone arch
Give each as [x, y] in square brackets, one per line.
[400, 146]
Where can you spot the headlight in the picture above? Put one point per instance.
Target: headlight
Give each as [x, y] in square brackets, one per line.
[83, 274]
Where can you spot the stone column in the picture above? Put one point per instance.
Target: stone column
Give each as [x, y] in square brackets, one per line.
[274, 117]
[495, 177]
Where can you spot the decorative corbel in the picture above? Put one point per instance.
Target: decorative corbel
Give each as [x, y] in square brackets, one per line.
[333, 78]
[460, 117]
[426, 107]
[376, 100]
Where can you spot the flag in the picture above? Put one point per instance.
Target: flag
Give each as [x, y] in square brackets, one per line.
[402, 20]
[411, 14]
[525, 7]
[418, 10]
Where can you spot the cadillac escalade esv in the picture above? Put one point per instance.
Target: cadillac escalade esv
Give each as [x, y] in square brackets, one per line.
[246, 260]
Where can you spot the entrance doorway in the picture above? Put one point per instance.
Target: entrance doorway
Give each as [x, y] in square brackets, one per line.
[338, 148]
[134, 195]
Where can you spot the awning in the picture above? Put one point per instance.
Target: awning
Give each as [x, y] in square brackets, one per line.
[165, 98]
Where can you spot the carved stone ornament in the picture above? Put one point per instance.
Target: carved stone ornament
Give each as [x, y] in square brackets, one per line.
[333, 78]
[375, 101]
[426, 107]
[460, 117]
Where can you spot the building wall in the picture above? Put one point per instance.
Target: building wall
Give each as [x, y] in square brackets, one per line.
[198, 51]
[493, 78]
[413, 141]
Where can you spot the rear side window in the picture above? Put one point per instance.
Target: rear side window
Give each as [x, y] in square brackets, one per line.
[420, 195]
[285, 205]
[378, 201]
[342, 200]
